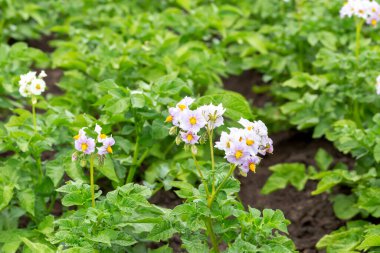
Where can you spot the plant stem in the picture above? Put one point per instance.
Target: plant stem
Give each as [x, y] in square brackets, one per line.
[359, 25]
[211, 233]
[213, 195]
[132, 170]
[356, 112]
[92, 180]
[38, 161]
[201, 175]
[34, 102]
[210, 135]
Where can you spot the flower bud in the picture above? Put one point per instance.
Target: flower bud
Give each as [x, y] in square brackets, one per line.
[173, 130]
[74, 156]
[178, 140]
[83, 163]
[194, 149]
[34, 100]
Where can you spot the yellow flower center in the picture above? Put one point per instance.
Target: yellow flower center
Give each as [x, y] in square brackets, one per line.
[228, 144]
[76, 137]
[249, 142]
[249, 128]
[373, 10]
[109, 149]
[252, 167]
[241, 138]
[189, 137]
[38, 86]
[238, 154]
[374, 22]
[193, 120]
[84, 147]
[182, 107]
[169, 118]
[361, 11]
[102, 136]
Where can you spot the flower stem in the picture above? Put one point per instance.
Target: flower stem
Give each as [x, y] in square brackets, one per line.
[210, 135]
[92, 180]
[132, 170]
[213, 195]
[359, 25]
[34, 102]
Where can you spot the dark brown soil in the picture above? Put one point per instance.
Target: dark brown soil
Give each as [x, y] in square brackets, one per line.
[244, 83]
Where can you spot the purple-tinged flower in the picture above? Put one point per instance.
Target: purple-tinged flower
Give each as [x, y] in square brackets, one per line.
[237, 154]
[189, 137]
[80, 133]
[192, 121]
[101, 137]
[250, 164]
[107, 146]
[213, 115]
[85, 145]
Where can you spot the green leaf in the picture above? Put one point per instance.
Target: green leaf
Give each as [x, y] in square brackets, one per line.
[293, 173]
[108, 170]
[37, 247]
[344, 206]
[323, 159]
[6, 194]
[236, 105]
[137, 100]
[161, 231]
[376, 152]
[55, 171]
[46, 227]
[370, 241]
[27, 200]
[327, 182]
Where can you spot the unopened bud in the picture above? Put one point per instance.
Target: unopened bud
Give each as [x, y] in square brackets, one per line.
[74, 156]
[173, 130]
[34, 100]
[194, 149]
[186, 147]
[83, 163]
[178, 140]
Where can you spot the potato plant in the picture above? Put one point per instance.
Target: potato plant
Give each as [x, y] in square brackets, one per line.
[128, 103]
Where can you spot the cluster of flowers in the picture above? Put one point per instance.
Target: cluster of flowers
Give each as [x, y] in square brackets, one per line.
[364, 9]
[191, 122]
[31, 84]
[243, 146]
[87, 145]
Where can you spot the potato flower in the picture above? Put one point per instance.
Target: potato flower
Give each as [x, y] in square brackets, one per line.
[363, 9]
[213, 115]
[85, 145]
[31, 84]
[242, 146]
[192, 121]
[189, 137]
[107, 146]
[175, 113]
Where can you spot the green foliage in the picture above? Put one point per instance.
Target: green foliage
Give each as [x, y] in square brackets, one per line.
[286, 173]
